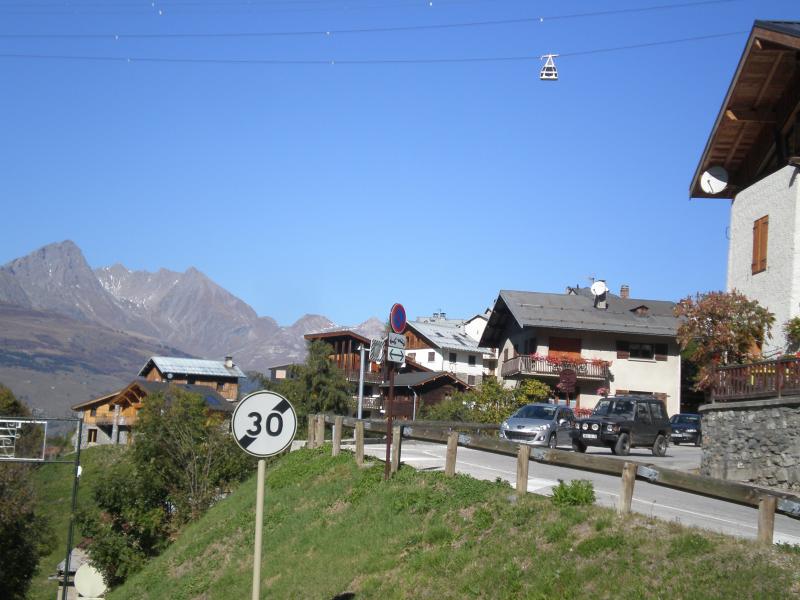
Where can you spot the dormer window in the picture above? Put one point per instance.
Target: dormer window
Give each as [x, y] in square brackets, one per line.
[640, 311]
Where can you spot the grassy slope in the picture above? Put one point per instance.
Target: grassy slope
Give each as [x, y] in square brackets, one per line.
[331, 528]
[54, 489]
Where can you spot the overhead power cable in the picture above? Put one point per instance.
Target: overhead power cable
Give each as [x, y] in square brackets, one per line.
[328, 32]
[368, 61]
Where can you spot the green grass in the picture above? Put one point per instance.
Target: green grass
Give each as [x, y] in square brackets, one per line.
[53, 483]
[332, 528]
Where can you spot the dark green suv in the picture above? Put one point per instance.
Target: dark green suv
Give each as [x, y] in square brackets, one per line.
[624, 422]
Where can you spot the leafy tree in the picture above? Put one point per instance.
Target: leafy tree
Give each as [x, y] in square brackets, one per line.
[721, 327]
[183, 458]
[317, 386]
[24, 533]
[491, 402]
[533, 390]
[791, 330]
[450, 409]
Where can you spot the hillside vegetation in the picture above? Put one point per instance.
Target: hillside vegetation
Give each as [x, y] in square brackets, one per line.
[333, 529]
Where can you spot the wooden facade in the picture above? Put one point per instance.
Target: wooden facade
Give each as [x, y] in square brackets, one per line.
[346, 354]
[227, 387]
[757, 130]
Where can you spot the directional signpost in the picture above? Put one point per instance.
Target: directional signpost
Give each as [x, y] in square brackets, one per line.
[264, 424]
[395, 353]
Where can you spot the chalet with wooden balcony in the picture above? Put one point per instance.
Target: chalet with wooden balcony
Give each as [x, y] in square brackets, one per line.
[620, 345]
[752, 158]
[109, 419]
[222, 376]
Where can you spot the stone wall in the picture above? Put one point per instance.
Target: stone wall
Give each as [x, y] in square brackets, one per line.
[757, 441]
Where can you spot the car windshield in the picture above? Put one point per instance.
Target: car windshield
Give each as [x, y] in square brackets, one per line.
[535, 412]
[686, 419]
[615, 408]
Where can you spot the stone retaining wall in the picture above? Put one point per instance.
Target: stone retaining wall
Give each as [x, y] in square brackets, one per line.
[757, 441]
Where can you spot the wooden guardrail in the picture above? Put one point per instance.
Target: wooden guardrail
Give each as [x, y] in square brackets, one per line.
[767, 501]
[763, 379]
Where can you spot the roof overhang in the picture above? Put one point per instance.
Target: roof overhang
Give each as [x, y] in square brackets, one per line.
[341, 333]
[761, 105]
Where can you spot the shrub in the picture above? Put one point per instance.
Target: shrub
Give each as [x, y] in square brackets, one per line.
[578, 492]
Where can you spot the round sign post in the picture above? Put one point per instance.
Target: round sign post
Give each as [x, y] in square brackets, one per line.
[263, 424]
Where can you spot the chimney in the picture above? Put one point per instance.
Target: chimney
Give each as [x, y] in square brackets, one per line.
[228, 362]
[625, 291]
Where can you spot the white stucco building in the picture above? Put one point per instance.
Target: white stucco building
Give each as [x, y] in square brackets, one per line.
[755, 144]
[450, 345]
[626, 346]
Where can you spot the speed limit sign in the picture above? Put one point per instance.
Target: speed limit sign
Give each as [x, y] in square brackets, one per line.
[264, 424]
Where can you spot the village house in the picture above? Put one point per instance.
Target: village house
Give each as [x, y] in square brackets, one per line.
[415, 389]
[751, 158]
[450, 345]
[109, 418]
[609, 344]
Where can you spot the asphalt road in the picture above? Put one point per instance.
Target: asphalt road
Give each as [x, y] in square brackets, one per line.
[648, 499]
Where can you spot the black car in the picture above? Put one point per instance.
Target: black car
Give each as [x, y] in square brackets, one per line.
[686, 429]
[624, 422]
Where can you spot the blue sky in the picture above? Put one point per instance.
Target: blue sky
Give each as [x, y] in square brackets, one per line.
[340, 189]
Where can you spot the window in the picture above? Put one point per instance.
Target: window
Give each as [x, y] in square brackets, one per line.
[760, 235]
[471, 379]
[220, 386]
[643, 412]
[431, 356]
[623, 349]
[471, 360]
[505, 355]
[530, 346]
[641, 350]
[452, 357]
[93, 413]
[412, 355]
[658, 411]
[661, 351]
[92, 438]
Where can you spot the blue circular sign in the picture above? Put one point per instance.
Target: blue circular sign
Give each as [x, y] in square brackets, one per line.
[397, 318]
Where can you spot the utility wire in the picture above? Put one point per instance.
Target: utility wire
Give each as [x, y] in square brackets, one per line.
[369, 61]
[402, 28]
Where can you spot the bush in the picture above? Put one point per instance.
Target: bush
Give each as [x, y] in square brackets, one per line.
[578, 492]
[451, 409]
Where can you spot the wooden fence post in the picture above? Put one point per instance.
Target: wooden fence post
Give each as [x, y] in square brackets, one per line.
[626, 491]
[766, 519]
[360, 443]
[396, 440]
[312, 429]
[337, 436]
[320, 437]
[452, 448]
[523, 461]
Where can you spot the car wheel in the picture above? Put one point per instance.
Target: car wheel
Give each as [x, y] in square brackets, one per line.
[578, 446]
[623, 445]
[676, 443]
[699, 441]
[660, 446]
[552, 442]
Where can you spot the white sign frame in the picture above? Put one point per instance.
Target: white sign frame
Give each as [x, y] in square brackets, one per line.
[395, 359]
[397, 340]
[252, 424]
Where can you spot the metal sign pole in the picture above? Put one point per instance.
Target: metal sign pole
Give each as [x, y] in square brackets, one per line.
[77, 475]
[361, 384]
[262, 467]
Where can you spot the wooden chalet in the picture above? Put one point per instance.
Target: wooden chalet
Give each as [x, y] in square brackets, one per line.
[222, 376]
[413, 389]
[757, 130]
[346, 354]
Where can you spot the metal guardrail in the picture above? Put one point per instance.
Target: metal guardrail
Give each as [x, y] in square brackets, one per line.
[730, 491]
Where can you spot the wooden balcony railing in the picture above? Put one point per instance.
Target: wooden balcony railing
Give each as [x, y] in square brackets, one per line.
[352, 375]
[527, 365]
[764, 379]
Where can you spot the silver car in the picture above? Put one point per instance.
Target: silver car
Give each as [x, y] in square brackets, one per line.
[539, 425]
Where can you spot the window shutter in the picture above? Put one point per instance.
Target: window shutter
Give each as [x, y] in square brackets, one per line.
[623, 349]
[762, 239]
[661, 351]
[756, 247]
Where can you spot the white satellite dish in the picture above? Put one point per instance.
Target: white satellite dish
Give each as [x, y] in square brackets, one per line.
[89, 582]
[714, 180]
[599, 288]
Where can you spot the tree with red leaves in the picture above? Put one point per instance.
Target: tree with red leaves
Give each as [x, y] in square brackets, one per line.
[721, 328]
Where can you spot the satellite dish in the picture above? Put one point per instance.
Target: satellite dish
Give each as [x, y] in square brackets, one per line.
[89, 582]
[599, 288]
[714, 180]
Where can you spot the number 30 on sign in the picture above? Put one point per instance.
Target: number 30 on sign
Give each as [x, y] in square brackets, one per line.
[264, 424]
